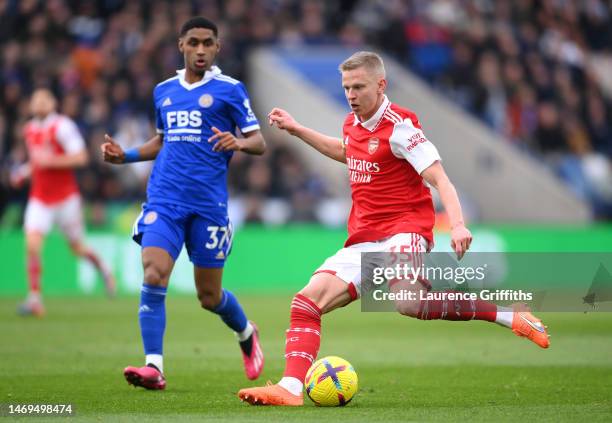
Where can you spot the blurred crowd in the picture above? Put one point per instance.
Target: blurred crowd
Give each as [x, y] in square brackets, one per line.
[527, 68]
[103, 58]
[521, 66]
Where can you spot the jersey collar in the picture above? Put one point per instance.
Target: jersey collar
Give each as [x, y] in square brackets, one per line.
[210, 74]
[373, 122]
[46, 120]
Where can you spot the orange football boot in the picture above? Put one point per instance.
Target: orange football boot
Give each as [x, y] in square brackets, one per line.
[527, 325]
[270, 394]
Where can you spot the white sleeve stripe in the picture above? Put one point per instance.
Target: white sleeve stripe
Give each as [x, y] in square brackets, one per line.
[249, 128]
[395, 114]
[392, 118]
[168, 80]
[159, 131]
[226, 78]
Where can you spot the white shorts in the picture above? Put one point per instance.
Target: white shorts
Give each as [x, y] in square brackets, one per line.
[40, 217]
[346, 263]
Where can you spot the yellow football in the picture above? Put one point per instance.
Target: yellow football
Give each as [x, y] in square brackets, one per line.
[331, 381]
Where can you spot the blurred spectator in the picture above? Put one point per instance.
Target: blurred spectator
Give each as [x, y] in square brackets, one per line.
[103, 59]
[523, 68]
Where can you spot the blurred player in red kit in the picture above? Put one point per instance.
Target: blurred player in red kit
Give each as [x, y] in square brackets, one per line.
[55, 148]
[389, 159]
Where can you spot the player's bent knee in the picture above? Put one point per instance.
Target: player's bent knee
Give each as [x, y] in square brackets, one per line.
[157, 266]
[317, 294]
[33, 245]
[153, 275]
[33, 249]
[327, 291]
[209, 300]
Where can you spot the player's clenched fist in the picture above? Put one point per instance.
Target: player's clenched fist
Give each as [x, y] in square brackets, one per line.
[224, 141]
[112, 152]
[461, 238]
[283, 120]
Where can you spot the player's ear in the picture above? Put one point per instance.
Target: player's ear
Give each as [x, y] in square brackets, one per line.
[180, 44]
[382, 85]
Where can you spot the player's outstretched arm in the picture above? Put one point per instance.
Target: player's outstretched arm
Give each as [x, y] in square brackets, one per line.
[324, 144]
[47, 160]
[461, 237]
[113, 153]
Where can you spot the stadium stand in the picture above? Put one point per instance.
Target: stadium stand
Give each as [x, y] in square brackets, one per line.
[522, 67]
[525, 68]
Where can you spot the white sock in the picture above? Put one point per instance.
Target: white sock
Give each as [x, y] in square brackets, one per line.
[504, 316]
[244, 335]
[33, 297]
[292, 384]
[157, 360]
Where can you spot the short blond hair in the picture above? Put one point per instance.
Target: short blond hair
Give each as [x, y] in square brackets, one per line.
[364, 59]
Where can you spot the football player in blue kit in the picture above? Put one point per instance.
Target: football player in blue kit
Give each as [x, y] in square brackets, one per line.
[197, 113]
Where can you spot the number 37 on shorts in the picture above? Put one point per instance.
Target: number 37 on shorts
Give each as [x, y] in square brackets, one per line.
[208, 239]
[220, 237]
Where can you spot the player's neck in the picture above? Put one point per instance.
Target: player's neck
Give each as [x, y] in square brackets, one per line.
[44, 116]
[367, 116]
[192, 77]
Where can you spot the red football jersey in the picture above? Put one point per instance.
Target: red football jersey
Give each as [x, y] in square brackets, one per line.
[55, 134]
[385, 156]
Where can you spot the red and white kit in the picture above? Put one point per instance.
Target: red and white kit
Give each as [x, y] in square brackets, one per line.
[54, 193]
[392, 212]
[392, 207]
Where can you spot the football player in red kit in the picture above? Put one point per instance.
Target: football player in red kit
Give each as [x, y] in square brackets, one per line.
[389, 159]
[55, 148]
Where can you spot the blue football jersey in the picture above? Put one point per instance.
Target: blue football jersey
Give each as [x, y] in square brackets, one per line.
[187, 172]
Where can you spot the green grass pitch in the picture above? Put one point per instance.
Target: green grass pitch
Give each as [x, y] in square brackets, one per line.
[408, 370]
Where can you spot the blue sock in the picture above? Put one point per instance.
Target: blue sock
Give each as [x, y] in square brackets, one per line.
[152, 317]
[230, 311]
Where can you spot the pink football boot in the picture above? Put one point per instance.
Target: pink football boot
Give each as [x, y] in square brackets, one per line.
[252, 355]
[149, 377]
